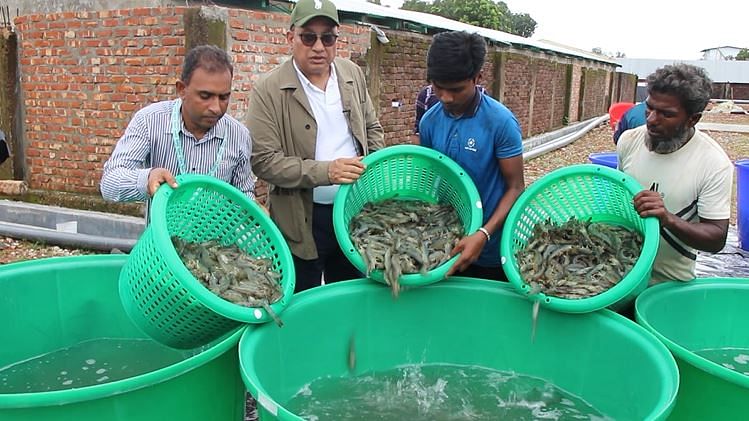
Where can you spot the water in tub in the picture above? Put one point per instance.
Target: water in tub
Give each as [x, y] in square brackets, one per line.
[88, 363]
[438, 392]
[736, 359]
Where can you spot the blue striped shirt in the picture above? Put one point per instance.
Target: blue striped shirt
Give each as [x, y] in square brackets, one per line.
[147, 143]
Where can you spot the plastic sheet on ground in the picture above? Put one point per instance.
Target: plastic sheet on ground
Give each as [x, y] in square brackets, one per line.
[731, 262]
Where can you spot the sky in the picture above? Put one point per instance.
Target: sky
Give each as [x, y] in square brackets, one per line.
[663, 29]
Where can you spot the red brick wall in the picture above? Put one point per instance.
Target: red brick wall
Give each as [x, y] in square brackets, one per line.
[615, 85]
[517, 87]
[82, 76]
[740, 91]
[575, 93]
[535, 90]
[257, 42]
[731, 90]
[401, 73]
[548, 96]
[595, 97]
[627, 84]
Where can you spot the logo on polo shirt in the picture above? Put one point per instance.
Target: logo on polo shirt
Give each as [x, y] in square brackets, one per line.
[471, 145]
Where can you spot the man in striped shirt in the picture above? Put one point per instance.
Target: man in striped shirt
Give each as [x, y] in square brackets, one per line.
[192, 134]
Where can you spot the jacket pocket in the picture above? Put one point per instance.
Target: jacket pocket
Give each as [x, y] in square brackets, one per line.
[287, 212]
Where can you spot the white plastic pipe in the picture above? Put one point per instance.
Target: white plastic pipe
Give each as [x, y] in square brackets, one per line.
[564, 140]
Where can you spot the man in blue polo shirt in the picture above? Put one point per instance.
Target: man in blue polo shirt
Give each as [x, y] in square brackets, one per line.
[634, 117]
[481, 135]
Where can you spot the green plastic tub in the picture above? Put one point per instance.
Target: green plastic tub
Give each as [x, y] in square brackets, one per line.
[407, 172]
[606, 359]
[56, 303]
[710, 313]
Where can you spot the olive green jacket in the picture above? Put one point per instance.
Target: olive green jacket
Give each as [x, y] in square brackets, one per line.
[284, 134]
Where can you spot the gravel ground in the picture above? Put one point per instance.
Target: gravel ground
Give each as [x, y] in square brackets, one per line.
[12, 250]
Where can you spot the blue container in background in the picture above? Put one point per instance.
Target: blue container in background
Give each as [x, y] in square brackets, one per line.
[742, 197]
[607, 159]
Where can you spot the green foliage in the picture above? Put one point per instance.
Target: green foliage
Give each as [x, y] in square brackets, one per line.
[743, 55]
[522, 24]
[417, 6]
[484, 13]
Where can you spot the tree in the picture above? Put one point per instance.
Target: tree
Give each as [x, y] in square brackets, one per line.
[522, 24]
[484, 13]
[374, 2]
[743, 55]
[417, 6]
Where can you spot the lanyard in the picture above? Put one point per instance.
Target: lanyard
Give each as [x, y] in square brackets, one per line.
[176, 126]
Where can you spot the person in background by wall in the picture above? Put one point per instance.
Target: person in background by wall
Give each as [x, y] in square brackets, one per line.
[191, 134]
[634, 117]
[689, 174]
[424, 101]
[481, 135]
[312, 120]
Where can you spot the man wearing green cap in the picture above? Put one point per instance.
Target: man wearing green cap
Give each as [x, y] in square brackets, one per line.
[311, 121]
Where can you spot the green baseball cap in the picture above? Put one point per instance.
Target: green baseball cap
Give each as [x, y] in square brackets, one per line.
[308, 9]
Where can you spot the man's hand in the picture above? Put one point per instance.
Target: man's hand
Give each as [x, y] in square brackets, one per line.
[264, 208]
[469, 248]
[650, 203]
[156, 177]
[345, 170]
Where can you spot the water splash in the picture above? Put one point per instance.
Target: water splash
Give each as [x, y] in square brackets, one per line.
[437, 392]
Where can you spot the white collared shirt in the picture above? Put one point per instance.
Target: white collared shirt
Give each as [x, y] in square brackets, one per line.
[334, 138]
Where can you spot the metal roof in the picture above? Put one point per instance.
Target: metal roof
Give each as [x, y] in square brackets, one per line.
[718, 48]
[434, 21]
[720, 71]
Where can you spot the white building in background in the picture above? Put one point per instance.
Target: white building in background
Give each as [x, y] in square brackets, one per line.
[721, 72]
[720, 53]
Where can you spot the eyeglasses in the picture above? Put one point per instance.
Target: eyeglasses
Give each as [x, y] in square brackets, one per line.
[310, 38]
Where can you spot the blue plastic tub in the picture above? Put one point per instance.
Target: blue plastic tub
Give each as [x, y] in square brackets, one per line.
[607, 159]
[742, 196]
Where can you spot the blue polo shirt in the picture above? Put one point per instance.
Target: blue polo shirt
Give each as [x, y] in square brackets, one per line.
[487, 131]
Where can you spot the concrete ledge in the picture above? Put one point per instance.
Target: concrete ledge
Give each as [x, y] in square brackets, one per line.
[71, 227]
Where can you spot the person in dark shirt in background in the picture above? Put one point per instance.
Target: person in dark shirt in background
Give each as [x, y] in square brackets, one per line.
[424, 101]
[634, 117]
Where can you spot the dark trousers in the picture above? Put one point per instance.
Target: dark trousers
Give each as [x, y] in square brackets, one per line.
[484, 272]
[330, 259]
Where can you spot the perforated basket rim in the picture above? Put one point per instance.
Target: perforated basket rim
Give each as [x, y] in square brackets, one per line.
[440, 161]
[184, 277]
[651, 238]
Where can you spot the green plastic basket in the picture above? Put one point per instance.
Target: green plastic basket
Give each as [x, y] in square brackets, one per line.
[161, 295]
[406, 172]
[582, 191]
